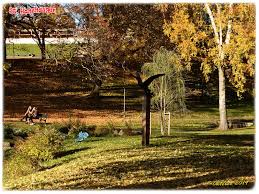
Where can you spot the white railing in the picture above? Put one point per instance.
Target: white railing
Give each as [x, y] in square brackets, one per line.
[47, 40]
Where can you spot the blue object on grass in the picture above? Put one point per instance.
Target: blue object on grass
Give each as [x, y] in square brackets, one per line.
[82, 136]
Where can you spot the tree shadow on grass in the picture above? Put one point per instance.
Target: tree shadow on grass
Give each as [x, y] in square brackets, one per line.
[62, 157]
[233, 140]
[200, 167]
[203, 139]
[209, 127]
[226, 163]
[68, 152]
[219, 168]
[218, 163]
[226, 167]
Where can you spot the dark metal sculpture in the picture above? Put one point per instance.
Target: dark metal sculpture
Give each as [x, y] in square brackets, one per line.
[146, 105]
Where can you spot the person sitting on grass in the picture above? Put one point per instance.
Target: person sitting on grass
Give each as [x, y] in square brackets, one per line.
[30, 114]
[33, 114]
[27, 113]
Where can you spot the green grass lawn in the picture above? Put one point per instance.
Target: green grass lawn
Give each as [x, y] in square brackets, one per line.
[194, 156]
[24, 49]
[180, 161]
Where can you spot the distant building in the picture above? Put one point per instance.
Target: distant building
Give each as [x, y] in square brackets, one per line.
[52, 36]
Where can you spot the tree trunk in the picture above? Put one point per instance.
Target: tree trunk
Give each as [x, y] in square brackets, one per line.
[222, 101]
[162, 122]
[162, 108]
[96, 90]
[43, 52]
[43, 46]
[4, 53]
[4, 43]
[146, 119]
[219, 40]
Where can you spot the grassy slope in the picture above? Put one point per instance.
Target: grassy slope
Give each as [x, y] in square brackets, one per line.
[195, 156]
[60, 93]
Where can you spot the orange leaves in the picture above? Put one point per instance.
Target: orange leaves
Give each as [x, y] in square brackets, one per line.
[161, 7]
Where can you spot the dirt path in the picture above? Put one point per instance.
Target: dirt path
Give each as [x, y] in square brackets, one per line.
[91, 118]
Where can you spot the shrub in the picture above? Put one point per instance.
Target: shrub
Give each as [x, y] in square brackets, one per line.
[61, 127]
[7, 68]
[74, 126]
[111, 127]
[101, 131]
[113, 130]
[129, 127]
[8, 132]
[29, 154]
[11, 135]
[41, 145]
[82, 127]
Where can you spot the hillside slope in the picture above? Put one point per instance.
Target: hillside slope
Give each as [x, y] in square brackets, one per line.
[60, 94]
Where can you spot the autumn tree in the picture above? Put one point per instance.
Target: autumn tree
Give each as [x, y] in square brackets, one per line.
[126, 34]
[92, 49]
[6, 26]
[220, 37]
[140, 30]
[40, 24]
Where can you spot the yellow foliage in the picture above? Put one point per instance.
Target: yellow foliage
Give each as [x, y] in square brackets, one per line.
[190, 30]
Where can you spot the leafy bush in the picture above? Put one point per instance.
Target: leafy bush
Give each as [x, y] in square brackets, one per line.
[101, 131]
[12, 131]
[75, 129]
[11, 134]
[60, 127]
[129, 127]
[41, 145]
[29, 154]
[113, 130]
[73, 126]
[7, 68]
[111, 126]
[8, 132]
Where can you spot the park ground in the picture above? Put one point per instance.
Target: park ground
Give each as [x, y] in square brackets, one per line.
[196, 155]
[23, 50]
